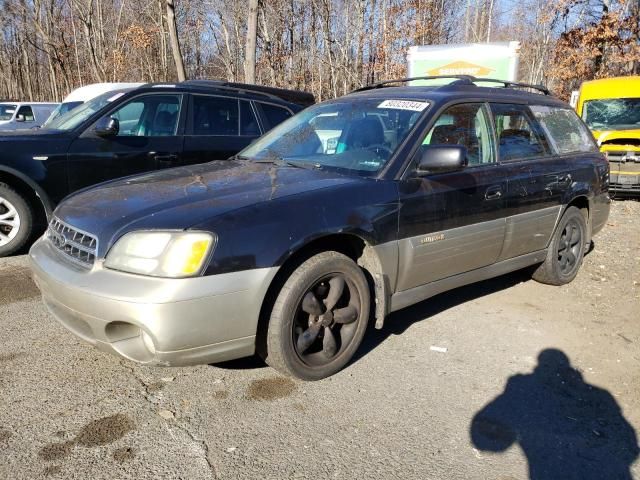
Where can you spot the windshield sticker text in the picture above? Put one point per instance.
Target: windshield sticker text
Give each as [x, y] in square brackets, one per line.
[404, 105]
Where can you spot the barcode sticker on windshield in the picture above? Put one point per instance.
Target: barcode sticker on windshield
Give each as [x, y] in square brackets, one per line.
[404, 105]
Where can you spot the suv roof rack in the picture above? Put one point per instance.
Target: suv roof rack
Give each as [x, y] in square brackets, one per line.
[458, 80]
[372, 86]
[294, 96]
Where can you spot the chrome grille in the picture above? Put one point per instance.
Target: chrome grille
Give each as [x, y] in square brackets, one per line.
[78, 246]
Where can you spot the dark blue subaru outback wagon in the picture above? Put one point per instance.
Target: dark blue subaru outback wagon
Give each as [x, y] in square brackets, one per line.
[350, 210]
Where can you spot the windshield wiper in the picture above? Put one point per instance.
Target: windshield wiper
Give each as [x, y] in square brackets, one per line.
[281, 162]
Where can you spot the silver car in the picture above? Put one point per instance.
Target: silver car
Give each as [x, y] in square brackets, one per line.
[23, 116]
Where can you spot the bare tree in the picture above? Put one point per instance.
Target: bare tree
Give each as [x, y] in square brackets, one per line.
[175, 43]
[251, 42]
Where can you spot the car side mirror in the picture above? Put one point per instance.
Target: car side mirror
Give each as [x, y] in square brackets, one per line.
[20, 118]
[107, 127]
[441, 159]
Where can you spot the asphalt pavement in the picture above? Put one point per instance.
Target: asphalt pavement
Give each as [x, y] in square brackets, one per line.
[505, 379]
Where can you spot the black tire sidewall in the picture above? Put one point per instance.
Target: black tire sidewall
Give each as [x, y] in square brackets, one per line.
[283, 314]
[26, 220]
[572, 214]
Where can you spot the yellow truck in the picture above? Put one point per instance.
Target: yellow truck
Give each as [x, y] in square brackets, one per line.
[611, 109]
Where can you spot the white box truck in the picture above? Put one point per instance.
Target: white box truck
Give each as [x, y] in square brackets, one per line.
[498, 60]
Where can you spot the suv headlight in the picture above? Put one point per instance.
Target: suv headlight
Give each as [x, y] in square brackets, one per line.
[161, 254]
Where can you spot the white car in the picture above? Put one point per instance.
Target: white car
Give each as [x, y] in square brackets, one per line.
[83, 94]
[24, 115]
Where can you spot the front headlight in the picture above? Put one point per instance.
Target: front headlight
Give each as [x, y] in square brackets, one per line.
[161, 254]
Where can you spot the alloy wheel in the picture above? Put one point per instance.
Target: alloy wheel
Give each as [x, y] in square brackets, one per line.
[326, 320]
[9, 221]
[569, 247]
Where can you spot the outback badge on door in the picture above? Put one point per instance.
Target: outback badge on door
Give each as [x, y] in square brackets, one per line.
[432, 238]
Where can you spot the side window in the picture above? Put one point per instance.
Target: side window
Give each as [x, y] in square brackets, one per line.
[215, 115]
[467, 125]
[248, 122]
[519, 134]
[26, 112]
[275, 115]
[566, 132]
[149, 116]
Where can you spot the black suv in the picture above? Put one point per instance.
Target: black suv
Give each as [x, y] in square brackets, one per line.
[356, 206]
[127, 132]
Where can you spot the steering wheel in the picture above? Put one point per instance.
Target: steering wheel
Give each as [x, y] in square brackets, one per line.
[379, 147]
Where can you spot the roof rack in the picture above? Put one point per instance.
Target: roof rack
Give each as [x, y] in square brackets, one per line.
[468, 78]
[294, 96]
[510, 84]
[459, 80]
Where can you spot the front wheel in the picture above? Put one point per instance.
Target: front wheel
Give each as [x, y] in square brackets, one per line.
[319, 318]
[566, 250]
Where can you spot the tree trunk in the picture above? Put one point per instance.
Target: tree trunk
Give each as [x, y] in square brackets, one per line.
[175, 44]
[250, 45]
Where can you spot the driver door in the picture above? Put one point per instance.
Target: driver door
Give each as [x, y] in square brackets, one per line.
[453, 222]
[149, 138]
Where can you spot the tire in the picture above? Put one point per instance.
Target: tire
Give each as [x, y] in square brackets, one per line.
[291, 346]
[566, 250]
[16, 221]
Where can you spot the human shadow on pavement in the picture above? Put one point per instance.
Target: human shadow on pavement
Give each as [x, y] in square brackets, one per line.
[567, 428]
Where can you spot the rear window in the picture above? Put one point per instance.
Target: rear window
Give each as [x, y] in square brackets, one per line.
[519, 135]
[215, 115]
[566, 133]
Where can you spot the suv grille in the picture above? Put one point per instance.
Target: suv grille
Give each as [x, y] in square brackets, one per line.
[80, 247]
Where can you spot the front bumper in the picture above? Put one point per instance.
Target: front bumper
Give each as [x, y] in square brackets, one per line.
[149, 320]
[624, 177]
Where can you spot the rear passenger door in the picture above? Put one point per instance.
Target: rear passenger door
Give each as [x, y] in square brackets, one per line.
[537, 179]
[452, 223]
[218, 127]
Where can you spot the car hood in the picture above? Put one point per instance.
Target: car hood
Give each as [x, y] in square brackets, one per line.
[617, 139]
[182, 197]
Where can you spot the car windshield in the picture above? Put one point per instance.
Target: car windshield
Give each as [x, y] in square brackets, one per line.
[60, 110]
[76, 116]
[612, 114]
[357, 135]
[6, 111]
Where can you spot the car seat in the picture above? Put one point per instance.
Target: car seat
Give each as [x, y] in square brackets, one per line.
[364, 133]
[164, 124]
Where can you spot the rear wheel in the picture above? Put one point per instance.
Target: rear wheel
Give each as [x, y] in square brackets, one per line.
[16, 221]
[566, 250]
[319, 317]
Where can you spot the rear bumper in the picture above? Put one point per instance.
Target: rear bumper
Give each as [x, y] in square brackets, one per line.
[151, 320]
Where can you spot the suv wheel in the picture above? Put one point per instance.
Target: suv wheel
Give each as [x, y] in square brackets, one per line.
[319, 318]
[566, 250]
[16, 221]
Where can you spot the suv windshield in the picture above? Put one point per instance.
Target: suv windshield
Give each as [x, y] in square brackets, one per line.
[356, 135]
[77, 116]
[60, 110]
[612, 114]
[6, 111]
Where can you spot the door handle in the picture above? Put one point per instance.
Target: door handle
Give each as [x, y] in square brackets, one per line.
[564, 179]
[169, 158]
[493, 193]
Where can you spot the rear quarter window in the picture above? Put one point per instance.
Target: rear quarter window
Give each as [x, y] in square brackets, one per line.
[275, 115]
[566, 132]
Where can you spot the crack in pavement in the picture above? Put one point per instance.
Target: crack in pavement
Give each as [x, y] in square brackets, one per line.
[202, 445]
